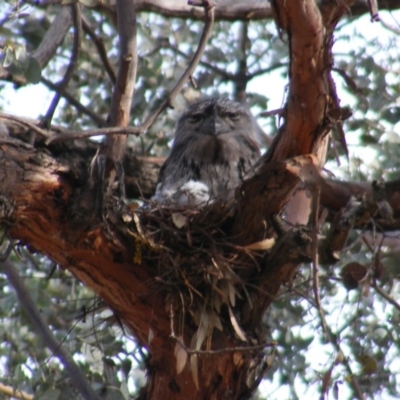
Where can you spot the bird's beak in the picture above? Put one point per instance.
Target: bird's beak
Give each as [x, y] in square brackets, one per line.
[220, 126]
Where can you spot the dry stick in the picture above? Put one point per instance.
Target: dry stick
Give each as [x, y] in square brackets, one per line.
[209, 18]
[114, 130]
[98, 42]
[353, 381]
[270, 113]
[214, 352]
[241, 79]
[71, 66]
[54, 36]
[77, 377]
[321, 313]
[328, 332]
[75, 103]
[224, 351]
[71, 134]
[266, 70]
[25, 123]
[381, 292]
[224, 74]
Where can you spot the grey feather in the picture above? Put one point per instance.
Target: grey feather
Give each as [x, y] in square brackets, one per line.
[214, 149]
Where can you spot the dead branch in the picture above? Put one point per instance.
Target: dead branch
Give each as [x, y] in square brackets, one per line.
[97, 119]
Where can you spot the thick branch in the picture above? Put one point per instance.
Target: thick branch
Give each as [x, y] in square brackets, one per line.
[233, 10]
[142, 172]
[54, 36]
[308, 93]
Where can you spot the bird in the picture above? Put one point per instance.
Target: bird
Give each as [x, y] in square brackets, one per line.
[214, 149]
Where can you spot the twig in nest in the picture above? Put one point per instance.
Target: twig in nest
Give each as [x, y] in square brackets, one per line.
[315, 221]
[270, 113]
[226, 350]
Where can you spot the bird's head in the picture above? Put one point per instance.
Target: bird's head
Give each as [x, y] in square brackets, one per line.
[213, 117]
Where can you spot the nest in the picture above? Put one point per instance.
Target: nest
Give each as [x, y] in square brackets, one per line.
[198, 264]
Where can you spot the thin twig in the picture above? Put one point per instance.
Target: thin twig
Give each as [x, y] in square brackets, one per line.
[71, 66]
[114, 147]
[263, 71]
[114, 130]
[270, 113]
[12, 14]
[317, 298]
[26, 124]
[223, 351]
[382, 293]
[76, 375]
[75, 103]
[98, 42]
[223, 73]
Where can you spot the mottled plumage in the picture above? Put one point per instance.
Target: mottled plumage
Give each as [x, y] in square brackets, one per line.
[215, 146]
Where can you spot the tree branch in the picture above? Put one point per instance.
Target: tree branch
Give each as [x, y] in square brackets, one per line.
[71, 66]
[98, 42]
[54, 36]
[119, 115]
[75, 103]
[27, 303]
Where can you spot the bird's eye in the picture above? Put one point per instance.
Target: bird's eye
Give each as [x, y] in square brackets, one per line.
[196, 117]
[234, 116]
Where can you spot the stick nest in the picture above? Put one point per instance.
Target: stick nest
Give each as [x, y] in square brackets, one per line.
[198, 263]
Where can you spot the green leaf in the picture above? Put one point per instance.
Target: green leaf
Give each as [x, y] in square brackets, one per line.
[51, 394]
[8, 57]
[20, 52]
